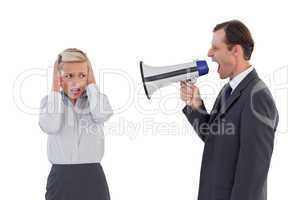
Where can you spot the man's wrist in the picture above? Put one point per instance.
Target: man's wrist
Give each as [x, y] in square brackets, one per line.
[197, 105]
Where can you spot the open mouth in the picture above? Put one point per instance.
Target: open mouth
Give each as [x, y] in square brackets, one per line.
[75, 91]
[217, 64]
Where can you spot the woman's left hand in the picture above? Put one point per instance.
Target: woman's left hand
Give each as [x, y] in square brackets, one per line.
[91, 77]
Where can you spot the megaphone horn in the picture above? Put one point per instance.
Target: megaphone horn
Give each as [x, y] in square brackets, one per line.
[157, 77]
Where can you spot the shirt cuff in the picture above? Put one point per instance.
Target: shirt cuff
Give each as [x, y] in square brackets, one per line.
[93, 92]
[55, 102]
[92, 89]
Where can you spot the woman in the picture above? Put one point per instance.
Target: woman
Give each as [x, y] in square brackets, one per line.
[73, 115]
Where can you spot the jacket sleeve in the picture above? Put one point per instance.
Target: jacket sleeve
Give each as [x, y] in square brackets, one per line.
[51, 113]
[259, 121]
[100, 107]
[198, 119]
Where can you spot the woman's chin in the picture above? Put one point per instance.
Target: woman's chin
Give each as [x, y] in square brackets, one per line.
[74, 96]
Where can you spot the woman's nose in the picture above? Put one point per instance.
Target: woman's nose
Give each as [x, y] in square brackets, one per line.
[74, 83]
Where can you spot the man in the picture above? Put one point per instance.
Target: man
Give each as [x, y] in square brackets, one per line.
[239, 131]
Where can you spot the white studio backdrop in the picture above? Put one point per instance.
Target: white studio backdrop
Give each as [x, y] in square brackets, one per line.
[151, 152]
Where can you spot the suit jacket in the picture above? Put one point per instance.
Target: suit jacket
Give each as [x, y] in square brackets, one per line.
[239, 138]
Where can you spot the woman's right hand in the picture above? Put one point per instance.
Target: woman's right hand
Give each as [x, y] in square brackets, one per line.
[57, 79]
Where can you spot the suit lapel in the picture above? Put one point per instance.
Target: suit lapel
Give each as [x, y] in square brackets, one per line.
[220, 108]
[230, 101]
[225, 106]
[217, 104]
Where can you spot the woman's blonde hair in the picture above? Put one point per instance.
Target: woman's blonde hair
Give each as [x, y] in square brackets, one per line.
[71, 55]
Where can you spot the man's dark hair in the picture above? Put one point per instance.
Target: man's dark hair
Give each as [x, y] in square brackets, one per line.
[237, 33]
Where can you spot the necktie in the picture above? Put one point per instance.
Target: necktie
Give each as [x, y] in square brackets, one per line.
[228, 91]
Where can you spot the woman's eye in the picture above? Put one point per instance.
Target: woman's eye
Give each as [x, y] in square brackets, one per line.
[82, 75]
[68, 76]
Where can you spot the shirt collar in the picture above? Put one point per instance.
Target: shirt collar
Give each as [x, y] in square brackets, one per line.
[238, 78]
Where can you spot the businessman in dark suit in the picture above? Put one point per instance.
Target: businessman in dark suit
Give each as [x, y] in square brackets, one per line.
[239, 131]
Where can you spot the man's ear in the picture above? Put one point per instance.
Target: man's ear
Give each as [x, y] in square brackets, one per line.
[237, 50]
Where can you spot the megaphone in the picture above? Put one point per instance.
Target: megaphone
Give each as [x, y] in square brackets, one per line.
[157, 77]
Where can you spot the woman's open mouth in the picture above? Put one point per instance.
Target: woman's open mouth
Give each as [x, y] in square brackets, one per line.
[75, 91]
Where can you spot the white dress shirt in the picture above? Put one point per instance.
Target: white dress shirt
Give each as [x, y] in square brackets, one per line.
[238, 78]
[75, 132]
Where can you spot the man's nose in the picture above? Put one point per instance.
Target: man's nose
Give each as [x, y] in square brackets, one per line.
[210, 53]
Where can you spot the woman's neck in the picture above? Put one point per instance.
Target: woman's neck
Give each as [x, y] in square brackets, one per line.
[73, 101]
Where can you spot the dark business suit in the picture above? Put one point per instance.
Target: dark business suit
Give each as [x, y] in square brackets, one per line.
[239, 138]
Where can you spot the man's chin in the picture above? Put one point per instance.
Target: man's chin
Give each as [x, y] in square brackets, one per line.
[222, 76]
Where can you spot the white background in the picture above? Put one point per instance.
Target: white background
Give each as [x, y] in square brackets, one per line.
[151, 152]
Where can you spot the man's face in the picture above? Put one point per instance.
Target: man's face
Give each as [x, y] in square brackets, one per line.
[74, 79]
[220, 54]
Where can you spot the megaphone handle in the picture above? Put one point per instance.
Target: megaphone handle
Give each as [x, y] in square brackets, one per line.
[192, 81]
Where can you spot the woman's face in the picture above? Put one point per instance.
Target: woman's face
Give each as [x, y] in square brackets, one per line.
[74, 79]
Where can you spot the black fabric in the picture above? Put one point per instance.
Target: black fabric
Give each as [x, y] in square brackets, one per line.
[228, 91]
[239, 139]
[77, 182]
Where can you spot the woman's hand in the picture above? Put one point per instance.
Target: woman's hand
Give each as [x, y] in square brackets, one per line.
[57, 79]
[91, 77]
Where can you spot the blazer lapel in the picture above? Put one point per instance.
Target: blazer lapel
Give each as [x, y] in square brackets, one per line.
[230, 101]
[237, 92]
[223, 106]
[220, 108]
[215, 110]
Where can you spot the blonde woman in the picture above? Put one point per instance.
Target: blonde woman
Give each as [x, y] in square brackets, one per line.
[73, 115]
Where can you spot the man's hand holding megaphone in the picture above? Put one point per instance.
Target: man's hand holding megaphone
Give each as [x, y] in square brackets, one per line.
[190, 94]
